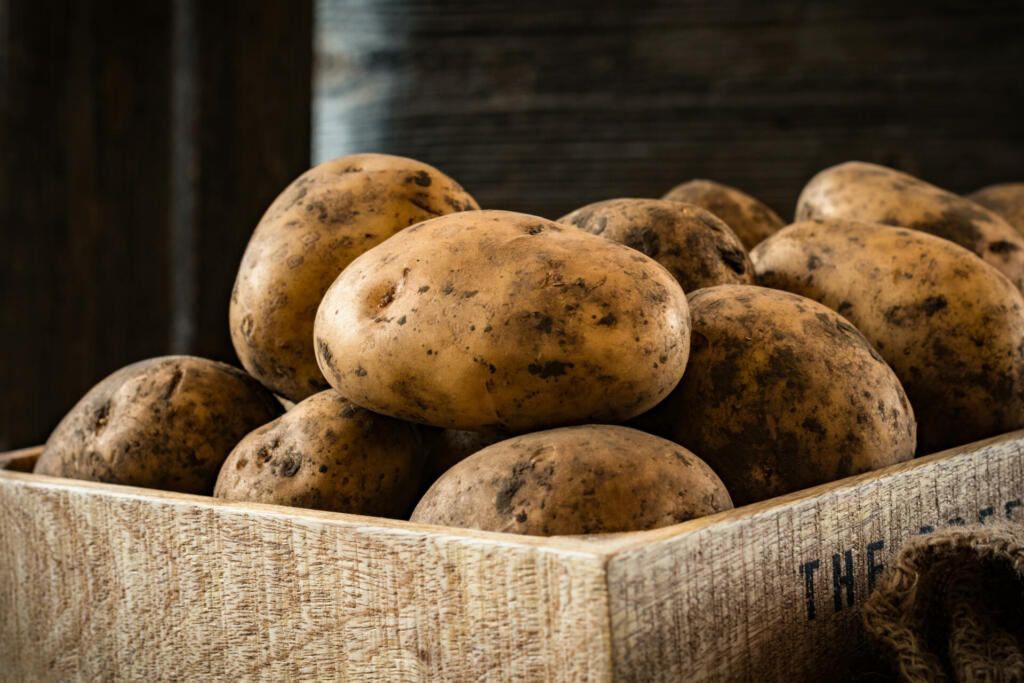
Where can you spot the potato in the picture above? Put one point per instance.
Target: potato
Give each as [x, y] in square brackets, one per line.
[699, 249]
[750, 219]
[870, 193]
[447, 447]
[500, 321]
[164, 423]
[782, 393]
[1006, 199]
[323, 220]
[949, 324]
[328, 454]
[575, 480]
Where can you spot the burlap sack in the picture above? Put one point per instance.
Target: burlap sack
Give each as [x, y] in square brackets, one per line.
[951, 606]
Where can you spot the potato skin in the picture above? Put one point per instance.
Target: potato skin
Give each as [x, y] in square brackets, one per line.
[950, 325]
[318, 225]
[329, 454]
[1006, 200]
[164, 423]
[782, 393]
[749, 218]
[699, 249]
[575, 480]
[870, 193]
[448, 447]
[500, 321]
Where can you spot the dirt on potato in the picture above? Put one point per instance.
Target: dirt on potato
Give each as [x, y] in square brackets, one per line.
[164, 423]
[575, 480]
[699, 249]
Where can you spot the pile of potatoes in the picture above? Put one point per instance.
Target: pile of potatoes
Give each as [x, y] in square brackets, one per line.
[634, 364]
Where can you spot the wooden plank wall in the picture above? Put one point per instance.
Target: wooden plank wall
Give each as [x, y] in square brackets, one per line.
[139, 145]
[545, 106]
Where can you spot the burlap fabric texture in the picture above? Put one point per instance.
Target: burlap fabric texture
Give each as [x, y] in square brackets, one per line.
[951, 606]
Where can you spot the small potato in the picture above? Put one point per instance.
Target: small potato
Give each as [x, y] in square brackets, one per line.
[750, 219]
[699, 249]
[1006, 199]
[500, 321]
[327, 454]
[950, 325]
[575, 480]
[331, 214]
[782, 393]
[164, 423]
[870, 193]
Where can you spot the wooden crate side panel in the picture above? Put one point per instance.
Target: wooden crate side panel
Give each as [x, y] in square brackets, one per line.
[94, 585]
[23, 460]
[773, 592]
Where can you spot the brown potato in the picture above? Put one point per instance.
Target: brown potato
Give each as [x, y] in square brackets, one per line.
[750, 219]
[500, 321]
[328, 216]
[1006, 199]
[782, 393]
[950, 325]
[699, 249]
[870, 193]
[164, 423]
[329, 454]
[575, 480]
[448, 447]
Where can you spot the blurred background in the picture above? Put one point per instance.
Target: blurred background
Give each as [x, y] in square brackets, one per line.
[141, 142]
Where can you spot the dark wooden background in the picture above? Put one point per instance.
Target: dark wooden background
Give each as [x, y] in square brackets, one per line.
[544, 106]
[140, 142]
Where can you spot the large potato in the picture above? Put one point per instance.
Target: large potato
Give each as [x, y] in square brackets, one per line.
[323, 220]
[870, 193]
[328, 454]
[575, 480]
[782, 393]
[1006, 199]
[749, 218]
[164, 423]
[950, 325]
[699, 249]
[493, 320]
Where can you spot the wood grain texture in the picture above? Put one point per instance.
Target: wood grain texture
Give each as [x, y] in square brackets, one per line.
[544, 107]
[726, 597]
[83, 180]
[23, 460]
[103, 582]
[139, 145]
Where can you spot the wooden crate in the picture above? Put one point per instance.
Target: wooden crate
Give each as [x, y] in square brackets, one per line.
[104, 581]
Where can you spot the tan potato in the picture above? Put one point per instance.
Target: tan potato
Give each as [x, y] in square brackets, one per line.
[1006, 199]
[782, 393]
[500, 321]
[749, 218]
[870, 193]
[329, 454]
[950, 325]
[575, 480]
[328, 216]
[699, 249]
[164, 423]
